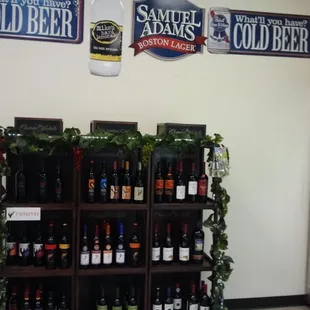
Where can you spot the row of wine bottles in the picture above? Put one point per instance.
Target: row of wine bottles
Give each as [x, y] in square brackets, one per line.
[190, 249]
[25, 301]
[119, 187]
[105, 253]
[21, 185]
[49, 252]
[170, 188]
[197, 299]
[128, 301]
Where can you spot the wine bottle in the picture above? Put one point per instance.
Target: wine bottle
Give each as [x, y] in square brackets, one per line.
[26, 302]
[159, 185]
[205, 301]
[198, 240]
[63, 305]
[38, 303]
[139, 185]
[107, 247]
[184, 246]
[201, 288]
[122, 172]
[126, 187]
[157, 303]
[132, 301]
[84, 255]
[24, 248]
[134, 246]
[50, 248]
[58, 185]
[168, 246]
[169, 185]
[117, 304]
[177, 298]
[50, 301]
[20, 183]
[192, 302]
[102, 303]
[120, 252]
[91, 183]
[11, 247]
[156, 246]
[168, 305]
[64, 247]
[180, 184]
[192, 185]
[38, 248]
[13, 301]
[115, 187]
[103, 184]
[42, 190]
[96, 252]
[203, 185]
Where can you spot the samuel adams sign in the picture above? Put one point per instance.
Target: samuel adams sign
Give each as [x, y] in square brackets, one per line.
[168, 30]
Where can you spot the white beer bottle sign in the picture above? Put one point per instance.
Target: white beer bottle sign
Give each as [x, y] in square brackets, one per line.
[106, 31]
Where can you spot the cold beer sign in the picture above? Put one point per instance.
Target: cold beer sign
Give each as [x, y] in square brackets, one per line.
[168, 30]
[45, 20]
[244, 32]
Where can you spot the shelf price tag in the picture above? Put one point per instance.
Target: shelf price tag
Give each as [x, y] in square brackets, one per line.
[23, 214]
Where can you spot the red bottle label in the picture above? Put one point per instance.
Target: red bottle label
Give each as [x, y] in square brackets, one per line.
[159, 187]
[169, 186]
[202, 187]
[50, 246]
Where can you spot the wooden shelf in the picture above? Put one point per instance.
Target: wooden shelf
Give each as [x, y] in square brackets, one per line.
[112, 207]
[176, 267]
[209, 205]
[34, 272]
[111, 271]
[44, 206]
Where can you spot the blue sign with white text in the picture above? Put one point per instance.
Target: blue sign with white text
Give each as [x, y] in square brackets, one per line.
[257, 33]
[44, 20]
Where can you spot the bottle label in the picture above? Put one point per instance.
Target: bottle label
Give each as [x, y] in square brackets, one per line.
[139, 194]
[24, 249]
[120, 256]
[204, 308]
[106, 41]
[103, 186]
[134, 245]
[50, 247]
[155, 254]
[168, 254]
[193, 307]
[64, 246]
[177, 303]
[181, 192]
[126, 192]
[96, 257]
[21, 188]
[199, 244]
[38, 251]
[168, 307]
[91, 187]
[169, 186]
[114, 192]
[132, 307]
[11, 248]
[159, 187]
[102, 307]
[157, 307]
[184, 254]
[84, 258]
[192, 187]
[202, 188]
[107, 257]
[117, 308]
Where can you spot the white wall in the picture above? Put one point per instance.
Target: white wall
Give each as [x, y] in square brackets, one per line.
[261, 107]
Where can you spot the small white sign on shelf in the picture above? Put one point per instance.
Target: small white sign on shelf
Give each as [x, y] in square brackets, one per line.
[23, 214]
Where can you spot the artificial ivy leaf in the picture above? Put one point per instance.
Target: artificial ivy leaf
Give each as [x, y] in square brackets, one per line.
[209, 221]
[222, 224]
[228, 259]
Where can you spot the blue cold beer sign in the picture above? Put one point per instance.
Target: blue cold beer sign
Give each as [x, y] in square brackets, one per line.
[257, 33]
[46, 20]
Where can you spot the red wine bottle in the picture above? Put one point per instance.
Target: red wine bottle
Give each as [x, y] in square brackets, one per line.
[127, 186]
[168, 246]
[198, 240]
[135, 247]
[184, 246]
[180, 184]
[103, 184]
[50, 247]
[120, 252]
[38, 303]
[13, 302]
[203, 185]
[58, 185]
[192, 185]
[157, 303]
[96, 251]
[38, 248]
[91, 183]
[139, 186]
[159, 185]
[42, 186]
[156, 246]
[169, 185]
[177, 298]
[115, 185]
[168, 305]
[20, 183]
[50, 301]
[24, 248]
[11, 247]
[64, 247]
[26, 302]
[107, 247]
[84, 255]
[193, 302]
[205, 301]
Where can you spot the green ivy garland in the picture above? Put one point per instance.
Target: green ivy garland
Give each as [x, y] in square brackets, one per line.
[182, 143]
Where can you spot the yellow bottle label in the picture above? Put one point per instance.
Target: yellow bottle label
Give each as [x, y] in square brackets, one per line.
[64, 246]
